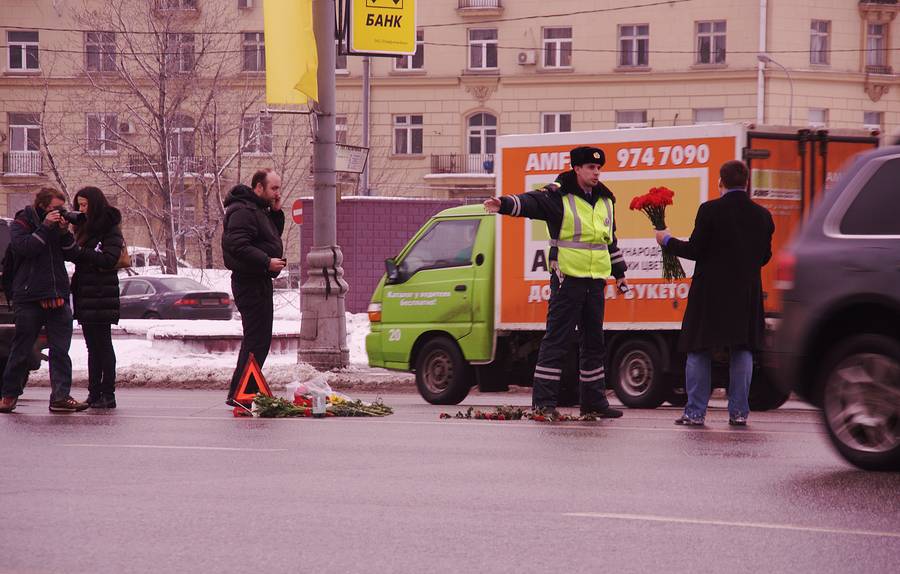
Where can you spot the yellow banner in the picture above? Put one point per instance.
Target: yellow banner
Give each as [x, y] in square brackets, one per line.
[291, 58]
[383, 27]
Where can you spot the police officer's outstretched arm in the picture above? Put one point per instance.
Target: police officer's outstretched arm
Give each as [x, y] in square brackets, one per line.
[533, 205]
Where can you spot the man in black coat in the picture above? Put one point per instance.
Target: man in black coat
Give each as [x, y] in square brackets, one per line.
[731, 242]
[252, 249]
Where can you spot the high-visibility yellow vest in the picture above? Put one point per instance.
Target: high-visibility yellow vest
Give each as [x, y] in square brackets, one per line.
[584, 238]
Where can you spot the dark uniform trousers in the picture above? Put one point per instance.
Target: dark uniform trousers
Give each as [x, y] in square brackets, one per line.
[577, 301]
[253, 298]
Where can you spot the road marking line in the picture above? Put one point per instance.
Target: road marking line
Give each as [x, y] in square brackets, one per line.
[175, 447]
[763, 525]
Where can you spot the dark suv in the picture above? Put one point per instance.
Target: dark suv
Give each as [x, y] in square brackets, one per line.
[838, 342]
[7, 320]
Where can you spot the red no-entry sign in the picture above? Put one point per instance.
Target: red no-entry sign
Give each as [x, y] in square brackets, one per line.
[297, 211]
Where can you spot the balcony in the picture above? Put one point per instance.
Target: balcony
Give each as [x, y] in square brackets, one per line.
[479, 8]
[877, 69]
[23, 163]
[469, 163]
[138, 163]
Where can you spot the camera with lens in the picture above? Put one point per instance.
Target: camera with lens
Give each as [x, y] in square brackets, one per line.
[73, 217]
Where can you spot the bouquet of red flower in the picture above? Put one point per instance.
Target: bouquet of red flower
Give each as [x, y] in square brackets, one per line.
[654, 203]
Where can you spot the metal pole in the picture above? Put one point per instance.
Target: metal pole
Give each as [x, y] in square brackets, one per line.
[367, 87]
[323, 329]
[791, 84]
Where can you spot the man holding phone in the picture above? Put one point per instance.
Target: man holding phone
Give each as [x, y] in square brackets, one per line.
[252, 249]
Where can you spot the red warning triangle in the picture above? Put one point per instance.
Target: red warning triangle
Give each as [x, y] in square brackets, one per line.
[252, 383]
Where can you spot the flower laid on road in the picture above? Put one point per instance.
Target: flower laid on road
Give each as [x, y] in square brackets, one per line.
[275, 407]
[507, 413]
[654, 203]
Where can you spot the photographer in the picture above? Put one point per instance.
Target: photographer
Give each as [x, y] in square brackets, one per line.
[40, 242]
[252, 249]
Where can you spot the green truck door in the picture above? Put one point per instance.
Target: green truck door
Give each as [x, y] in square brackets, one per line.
[433, 291]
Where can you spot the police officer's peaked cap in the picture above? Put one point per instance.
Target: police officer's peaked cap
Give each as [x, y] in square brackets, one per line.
[584, 154]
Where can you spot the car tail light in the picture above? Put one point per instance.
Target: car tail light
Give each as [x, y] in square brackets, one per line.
[225, 301]
[187, 301]
[784, 275]
[374, 312]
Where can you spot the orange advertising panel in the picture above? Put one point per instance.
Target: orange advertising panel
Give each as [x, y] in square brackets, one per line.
[684, 159]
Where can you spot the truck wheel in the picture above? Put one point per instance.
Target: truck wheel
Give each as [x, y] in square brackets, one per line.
[862, 414]
[442, 375]
[764, 395]
[637, 372]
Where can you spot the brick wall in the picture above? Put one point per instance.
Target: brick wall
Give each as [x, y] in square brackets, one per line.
[369, 230]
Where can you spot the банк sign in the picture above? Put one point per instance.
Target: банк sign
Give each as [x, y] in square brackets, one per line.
[383, 27]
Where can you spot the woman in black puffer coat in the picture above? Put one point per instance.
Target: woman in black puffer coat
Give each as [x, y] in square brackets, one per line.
[95, 290]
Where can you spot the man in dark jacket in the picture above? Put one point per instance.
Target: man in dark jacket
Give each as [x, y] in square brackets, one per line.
[40, 242]
[731, 242]
[252, 249]
[584, 251]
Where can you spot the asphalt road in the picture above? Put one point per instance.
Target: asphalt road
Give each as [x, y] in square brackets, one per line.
[171, 482]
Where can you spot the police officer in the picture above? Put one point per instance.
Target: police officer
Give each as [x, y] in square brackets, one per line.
[579, 213]
[252, 249]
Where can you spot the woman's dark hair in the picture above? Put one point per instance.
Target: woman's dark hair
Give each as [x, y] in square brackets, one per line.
[98, 206]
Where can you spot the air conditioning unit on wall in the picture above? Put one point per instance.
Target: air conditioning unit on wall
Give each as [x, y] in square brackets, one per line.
[126, 128]
[245, 4]
[527, 58]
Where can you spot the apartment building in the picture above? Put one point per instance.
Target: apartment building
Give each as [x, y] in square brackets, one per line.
[482, 68]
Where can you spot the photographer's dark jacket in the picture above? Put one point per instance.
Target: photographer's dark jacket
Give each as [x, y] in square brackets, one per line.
[252, 234]
[40, 253]
[95, 285]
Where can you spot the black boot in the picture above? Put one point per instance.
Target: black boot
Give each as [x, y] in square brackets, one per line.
[104, 401]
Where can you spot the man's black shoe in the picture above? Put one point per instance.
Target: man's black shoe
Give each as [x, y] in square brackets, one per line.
[604, 413]
[104, 401]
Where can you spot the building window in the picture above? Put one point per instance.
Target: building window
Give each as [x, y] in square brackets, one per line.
[181, 137]
[100, 51]
[24, 144]
[711, 42]
[631, 119]
[408, 133]
[340, 60]
[254, 52]
[557, 47]
[634, 45]
[22, 48]
[179, 53]
[102, 133]
[482, 134]
[819, 42]
[340, 129]
[818, 117]
[556, 122]
[256, 135]
[417, 60]
[873, 120]
[876, 53]
[709, 115]
[176, 4]
[483, 49]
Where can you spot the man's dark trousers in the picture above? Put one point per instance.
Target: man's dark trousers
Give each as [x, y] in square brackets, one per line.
[578, 301]
[30, 317]
[253, 297]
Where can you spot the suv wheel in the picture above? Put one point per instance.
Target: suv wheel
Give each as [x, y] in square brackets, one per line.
[442, 375]
[861, 401]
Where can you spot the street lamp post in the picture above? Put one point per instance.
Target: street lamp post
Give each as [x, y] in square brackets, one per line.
[766, 59]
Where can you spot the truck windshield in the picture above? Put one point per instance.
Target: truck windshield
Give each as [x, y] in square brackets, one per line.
[447, 244]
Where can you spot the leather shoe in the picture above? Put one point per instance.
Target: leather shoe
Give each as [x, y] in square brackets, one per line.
[689, 422]
[8, 404]
[604, 413]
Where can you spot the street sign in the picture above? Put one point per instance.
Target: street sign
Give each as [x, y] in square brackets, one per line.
[383, 27]
[350, 158]
[297, 211]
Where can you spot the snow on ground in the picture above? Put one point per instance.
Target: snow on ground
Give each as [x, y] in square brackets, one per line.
[138, 363]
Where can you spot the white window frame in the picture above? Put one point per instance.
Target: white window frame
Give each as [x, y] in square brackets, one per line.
[557, 50]
[719, 112]
[341, 132]
[867, 123]
[876, 55]
[261, 129]
[176, 5]
[22, 46]
[713, 36]
[820, 43]
[625, 122]
[483, 134]
[253, 43]
[179, 135]
[820, 122]
[406, 124]
[633, 38]
[104, 44]
[107, 131]
[26, 128]
[556, 119]
[415, 62]
[485, 47]
[176, 59]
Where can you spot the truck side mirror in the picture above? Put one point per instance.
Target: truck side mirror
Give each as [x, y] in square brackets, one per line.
[393, 273]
